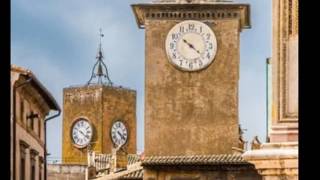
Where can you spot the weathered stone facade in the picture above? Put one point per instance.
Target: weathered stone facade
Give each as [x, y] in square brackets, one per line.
[199, 167]
[191, 113]
[66, 171]
[101, 105]
[201, 174]
[191, 118]
[30, 105]
[284, 126]
[278, 159]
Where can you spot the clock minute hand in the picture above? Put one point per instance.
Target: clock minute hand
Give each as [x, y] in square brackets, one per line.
[122, 137]
[83, 134]
[190, 45]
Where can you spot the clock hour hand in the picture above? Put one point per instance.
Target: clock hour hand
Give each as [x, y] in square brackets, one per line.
[83, 134]
[122, 137]
[191, 46]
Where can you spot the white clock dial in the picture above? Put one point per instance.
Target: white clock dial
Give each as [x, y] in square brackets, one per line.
[119, 133]
[191, 45]
[81, 132]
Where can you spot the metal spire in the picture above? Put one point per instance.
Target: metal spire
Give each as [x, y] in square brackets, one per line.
[100, 70]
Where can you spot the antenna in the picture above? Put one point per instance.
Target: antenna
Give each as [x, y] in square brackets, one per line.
[100, 70]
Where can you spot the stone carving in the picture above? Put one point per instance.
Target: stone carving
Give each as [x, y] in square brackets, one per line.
[255, 143]
[285, 57]
[242, 143]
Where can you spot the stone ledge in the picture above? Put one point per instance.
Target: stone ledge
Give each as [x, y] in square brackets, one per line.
[271, 154]
[275, 159]
[66, 168]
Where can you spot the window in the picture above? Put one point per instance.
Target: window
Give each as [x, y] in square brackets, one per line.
[31, 119]
[40, 167]
[23, 147]
[22, 168]
[21, 110]
[33, 155]
[39, 127]
[40, 172]
[33, 172]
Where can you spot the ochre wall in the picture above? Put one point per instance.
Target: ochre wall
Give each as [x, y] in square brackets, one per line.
[100, 105]
[119, 104]
[81, 102]
[191, 112]
[245, 174]
[68, 172]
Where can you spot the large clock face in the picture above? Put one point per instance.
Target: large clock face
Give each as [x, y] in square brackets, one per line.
[191, 45]
[81, 133]
[119, 133]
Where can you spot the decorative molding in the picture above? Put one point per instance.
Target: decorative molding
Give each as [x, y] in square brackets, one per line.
[24, 144]
[144, 12]
[193, 14]
[285, 25]
[33, 153]
[41, 160]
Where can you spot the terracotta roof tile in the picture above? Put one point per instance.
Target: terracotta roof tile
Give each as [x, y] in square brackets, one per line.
[133, 158]
[217, 159]
[138, 174]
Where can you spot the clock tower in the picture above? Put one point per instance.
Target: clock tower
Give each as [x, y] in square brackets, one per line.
[192, 59]
[97, 116]
[192, 54]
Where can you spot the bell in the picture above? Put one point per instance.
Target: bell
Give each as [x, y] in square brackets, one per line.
[100, 72]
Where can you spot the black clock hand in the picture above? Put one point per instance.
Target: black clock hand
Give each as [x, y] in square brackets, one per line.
[83, 134]
[191, 46]
[122, 137]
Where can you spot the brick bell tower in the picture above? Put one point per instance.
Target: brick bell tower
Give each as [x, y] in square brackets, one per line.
[97, 116]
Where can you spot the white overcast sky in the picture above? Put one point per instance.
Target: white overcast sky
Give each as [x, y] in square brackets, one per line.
[58, 40]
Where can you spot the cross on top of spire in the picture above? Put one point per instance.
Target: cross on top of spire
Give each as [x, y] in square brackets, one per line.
[100, 70]
[100, 55]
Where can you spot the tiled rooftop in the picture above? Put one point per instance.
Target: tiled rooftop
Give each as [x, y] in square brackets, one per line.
[217, 159]
[138, 174]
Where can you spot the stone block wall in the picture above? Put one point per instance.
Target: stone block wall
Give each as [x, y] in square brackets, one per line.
[64, 171]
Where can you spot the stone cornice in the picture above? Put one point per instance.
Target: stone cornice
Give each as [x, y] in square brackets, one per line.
[215, 11]
[275, 159]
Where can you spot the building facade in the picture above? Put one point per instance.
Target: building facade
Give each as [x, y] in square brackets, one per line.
[278, 158]
[31, 103]
[192, 62]
[97, 116]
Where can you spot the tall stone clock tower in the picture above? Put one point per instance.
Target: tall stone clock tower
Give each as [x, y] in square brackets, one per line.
[97, 116]
[192, 58]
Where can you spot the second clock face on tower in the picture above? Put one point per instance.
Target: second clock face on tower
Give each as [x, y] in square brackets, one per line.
[119, 133]
[81, 133]
[191, 45]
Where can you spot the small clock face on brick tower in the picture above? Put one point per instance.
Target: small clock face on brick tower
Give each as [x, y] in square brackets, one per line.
[119, 133]
[81, 133]
[191, 45]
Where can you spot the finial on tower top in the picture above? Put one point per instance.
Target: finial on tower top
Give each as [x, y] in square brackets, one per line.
[101, 35]
[100, 70]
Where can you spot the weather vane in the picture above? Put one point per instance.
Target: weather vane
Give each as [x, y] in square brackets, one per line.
[100, 70]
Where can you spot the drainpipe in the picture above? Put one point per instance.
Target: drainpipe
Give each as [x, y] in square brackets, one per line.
[267, 98]
[14, 123]
[45, 141]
